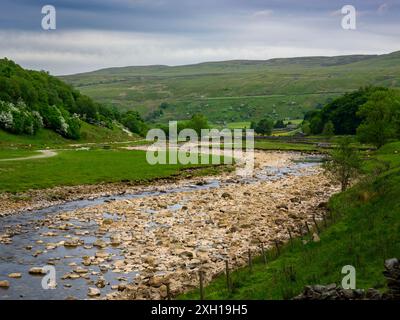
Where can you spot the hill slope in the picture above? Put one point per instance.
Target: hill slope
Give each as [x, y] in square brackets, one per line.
[240, 89]
[31, 100]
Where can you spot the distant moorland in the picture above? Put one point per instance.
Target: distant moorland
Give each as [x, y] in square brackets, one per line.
[241, 90]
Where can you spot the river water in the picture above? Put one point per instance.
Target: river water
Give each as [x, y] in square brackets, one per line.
[31, 234]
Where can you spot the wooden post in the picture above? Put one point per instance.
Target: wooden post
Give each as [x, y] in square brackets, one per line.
[316, 224]
[168, 291]
[201, 285]
[263, 253]
[325, 223]
[228, 279]
[278, 252]
[308, 228]
[250, 261]
[290, 236]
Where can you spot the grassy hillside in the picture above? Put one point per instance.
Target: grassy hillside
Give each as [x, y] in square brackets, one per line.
[47, 138]
[238, 90]
[365, 232]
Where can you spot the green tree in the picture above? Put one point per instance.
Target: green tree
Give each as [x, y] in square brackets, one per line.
[264, 127]
[381, 116]
[305, 127]
[134, 122]
[329, 129]
[342, 111]
[344, 164]
[198, 122]
[279, 124]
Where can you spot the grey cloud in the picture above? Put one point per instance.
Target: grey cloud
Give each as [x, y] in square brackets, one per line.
[95, 34]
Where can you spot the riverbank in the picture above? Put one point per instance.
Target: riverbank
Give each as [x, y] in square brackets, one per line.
[129, 248]
[31, 200]
[362, 230]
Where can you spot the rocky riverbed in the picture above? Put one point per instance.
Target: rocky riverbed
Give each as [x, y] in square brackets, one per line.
[148, 236]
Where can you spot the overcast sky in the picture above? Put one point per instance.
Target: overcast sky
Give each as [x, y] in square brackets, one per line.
[96, 34]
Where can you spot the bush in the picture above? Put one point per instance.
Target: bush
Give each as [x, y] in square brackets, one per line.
[18, 119]
[74, 127]
[134, 123]
[263, 127]
[279, 124]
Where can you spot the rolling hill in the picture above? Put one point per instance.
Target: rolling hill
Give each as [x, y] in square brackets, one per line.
[238, 90]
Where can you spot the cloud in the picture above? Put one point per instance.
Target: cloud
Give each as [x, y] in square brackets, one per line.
[383, 8]
[96, 34]
[263, 13]
[85, 50]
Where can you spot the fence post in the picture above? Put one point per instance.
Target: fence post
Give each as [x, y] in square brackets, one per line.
[168, 291]
[325, 223]
[290, 236]
[308, 228]
[316, 224]
[228, 279]
[201, 285]
[278, 252]
[263, 253]
[331, 215]
[250, 261]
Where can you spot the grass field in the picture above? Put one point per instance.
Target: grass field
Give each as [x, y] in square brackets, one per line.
[236, 91]
[239, 125]
[277, 145]
[15, 153]
[47, 138]
[364, 234]
[72, 167]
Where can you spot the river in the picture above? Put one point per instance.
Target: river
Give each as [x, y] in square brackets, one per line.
[37, 238]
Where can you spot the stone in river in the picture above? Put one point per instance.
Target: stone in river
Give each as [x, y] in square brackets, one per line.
[4, 284]
[93, 292]
[102, 254]
[36, 271]
[100, 283]
[71, 276]
[15, 275]
[81, 270]
[100, 243]
[72, 243]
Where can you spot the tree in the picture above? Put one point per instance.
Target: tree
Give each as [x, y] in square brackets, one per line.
[87, 108]
[316, 124]
[329, 129]
[134, 122]
[342, 112]
[305, 127]
[381, 116]
[345, 163]
[198, 122]
[279, 124]
[264, 127]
